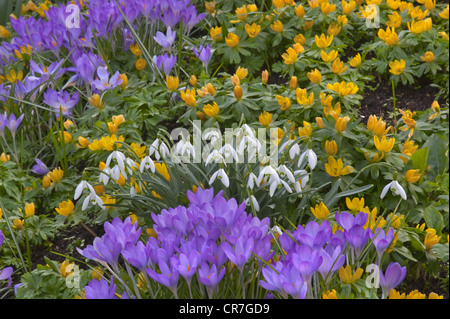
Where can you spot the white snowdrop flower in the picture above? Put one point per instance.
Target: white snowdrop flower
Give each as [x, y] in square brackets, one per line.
[268, 171]
[220, 174]
[104, 176]
[254, 202]
[303, 176]
[277, 230]
[147, 163]
[227, 150]
[120, 158]
[115, 172]
[310, 156]
[212, 135]
[159, 148]
[130, 165]
[247, 130]
[294, 151]
[215, 157]
[277, 183]
[94, 199]
[396, 189]
[252, 179]
[283, 171]
[81, 187]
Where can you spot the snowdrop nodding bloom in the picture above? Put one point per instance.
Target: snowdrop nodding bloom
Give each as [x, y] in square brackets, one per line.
[252, 179]
[185, 148]
[159, 148]
[220, 174]
[396, 188]
[121, 159]
[93, 199]
[284, 171]
[268, 171]
[277, 183]
[82, 186]
[147, 163]
[104, 176]
[255, 204]
[310, 156]
[215, 157]
[227, 150]
[294, 151]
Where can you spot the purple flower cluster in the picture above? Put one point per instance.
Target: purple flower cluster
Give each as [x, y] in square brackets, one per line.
[198, 239]
[61, 102]
[5, 273]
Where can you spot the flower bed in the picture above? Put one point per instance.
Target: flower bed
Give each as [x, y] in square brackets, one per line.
[224, 149]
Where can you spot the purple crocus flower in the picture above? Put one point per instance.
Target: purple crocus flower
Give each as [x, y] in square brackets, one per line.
[332, 260]
[165, 40]
[61, 102]
[165, 62]
[6, 273]
[53, 69]
[240, 253]
[103, 82]
[357, 237]
[392, 277]
[204, 54]
[293, 282]
[307, 261]
[168, 276]
[40, 168]
[100, 289]
[137, 255]
[186, 265]
[347, 220]
[272, 277]
[210, 277]
[13, 123]
[313, 234]
[381, 241]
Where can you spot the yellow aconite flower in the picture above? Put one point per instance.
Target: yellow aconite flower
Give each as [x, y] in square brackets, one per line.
[17, 224]
[265, 118]
[299, 11]
[384, 145]
[302, 97]
[356, 61]
[30, 209]
[211, 109]
[118, 119]
[56, 175]
[66, 268]
[327, 7]
[241, 13]
[389, 36]
[252, 30]
[308, 24]
[97, 273]
[238, 93]
[325, 99]
[348, 7]
[374, 157]
[277, 26]
[319, 122]
[193, 80]
[290, 56]
[330, 57]
[320, 211]
[323, 41]
[13, 77]
[395, 220]
[4, 33]
[333, 111]
[397, 67]
[331, 148]
[134, 48]
[315, 76]
[232, 40]
[430, 4]
[415, 294]
[46, 182]
[408, 149]
[172, 82]
[346, 275]
[444, 13]
[96, 100]
[342, 20]
[300, 39]
[417, 13]
[343, 88]
[313, 3]
[420, 26]
[4, 157]
[188, 96]
[377, 126]
[395, 20]
[210, 6]
[124, 79]
[338, 67]
[284, 102]
[329, 294]
[434, 295]
[306, 130]
[334, 29]
[65, 208]
[431, 238]
[394, 294]
[138, 149]
[24, 51]
[162, 169]
[140, 64]
[341, 124]
[428, 57]
[336, 168]
[373, 220]
[356, 204]
[278, 3]
[241, 73]
[293, 83]
[216, 33]
[436, 108]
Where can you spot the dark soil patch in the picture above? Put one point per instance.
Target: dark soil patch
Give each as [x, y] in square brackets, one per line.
[426, 284]
[379, 102]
